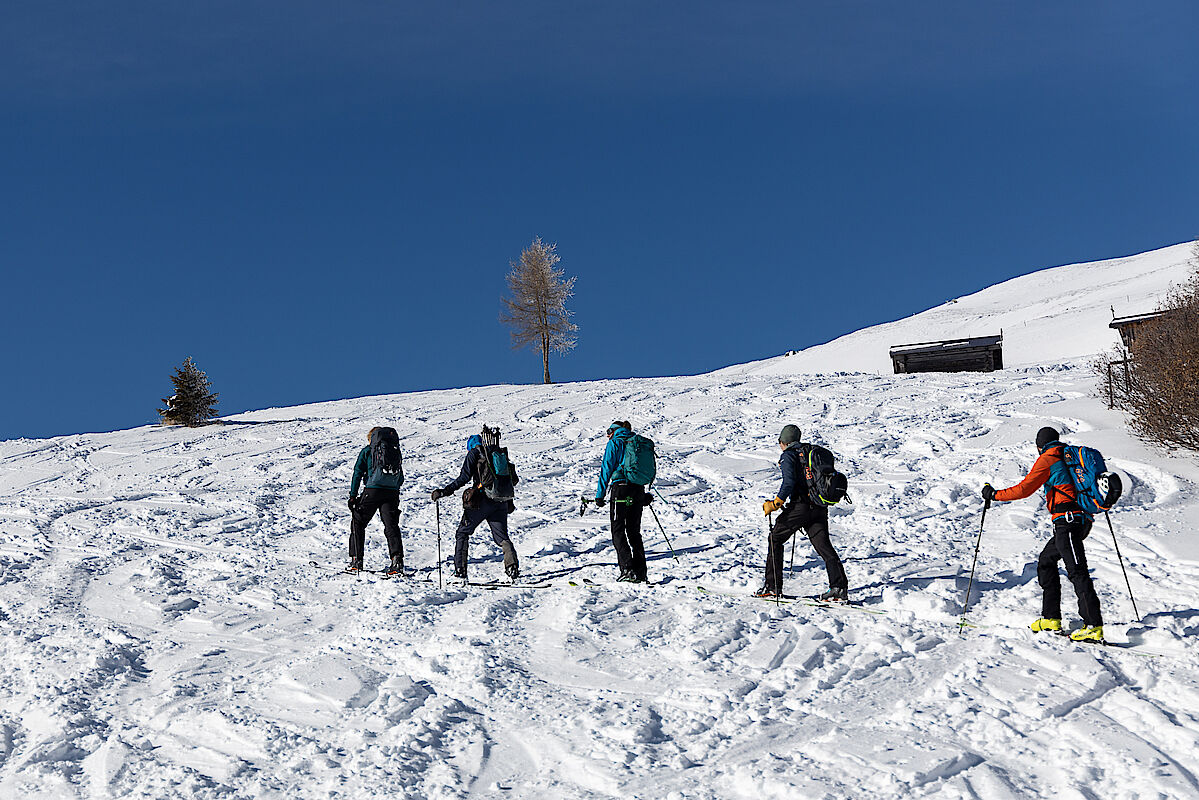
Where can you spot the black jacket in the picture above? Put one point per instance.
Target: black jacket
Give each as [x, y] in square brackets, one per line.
[470, 472]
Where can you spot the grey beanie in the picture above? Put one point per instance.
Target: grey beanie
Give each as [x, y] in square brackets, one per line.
[790, 434]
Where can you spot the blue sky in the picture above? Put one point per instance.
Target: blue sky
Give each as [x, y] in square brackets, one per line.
[318, 202]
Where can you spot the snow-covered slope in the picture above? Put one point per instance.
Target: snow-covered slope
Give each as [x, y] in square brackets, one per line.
[1051, 316]
[163, 635]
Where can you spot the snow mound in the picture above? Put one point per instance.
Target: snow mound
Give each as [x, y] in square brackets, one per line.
[1053, 316]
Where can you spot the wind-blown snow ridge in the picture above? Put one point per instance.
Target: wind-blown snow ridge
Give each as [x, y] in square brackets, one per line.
[1052, 316]
[162, 635]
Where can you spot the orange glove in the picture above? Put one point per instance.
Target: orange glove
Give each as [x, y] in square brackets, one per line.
[772, 505]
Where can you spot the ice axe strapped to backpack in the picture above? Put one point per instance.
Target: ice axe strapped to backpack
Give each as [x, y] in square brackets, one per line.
[497, 476]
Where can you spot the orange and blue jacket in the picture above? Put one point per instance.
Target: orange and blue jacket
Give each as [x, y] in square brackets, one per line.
[1049, 471]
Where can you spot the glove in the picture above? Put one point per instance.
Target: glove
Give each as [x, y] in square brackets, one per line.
[988, 492]
[352, 503]
[437, 495]
[772, 505]
[646, 499]
[599, 502]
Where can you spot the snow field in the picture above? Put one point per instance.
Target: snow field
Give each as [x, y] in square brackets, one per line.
[162, 635]
[1049, 316]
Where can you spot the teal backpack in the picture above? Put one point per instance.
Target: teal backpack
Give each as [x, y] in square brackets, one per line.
[497, 476]
[638, 465]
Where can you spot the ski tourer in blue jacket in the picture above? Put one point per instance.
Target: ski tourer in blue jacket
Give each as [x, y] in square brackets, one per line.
[628, 499]
[791, 464]
[611, 470]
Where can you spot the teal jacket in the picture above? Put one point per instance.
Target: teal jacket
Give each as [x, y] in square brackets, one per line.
[611, 468]
[362, 470]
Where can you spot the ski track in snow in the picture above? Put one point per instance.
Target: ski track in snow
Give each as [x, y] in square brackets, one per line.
[164, 636]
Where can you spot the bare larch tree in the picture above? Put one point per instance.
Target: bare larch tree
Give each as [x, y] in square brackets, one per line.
[536, 313]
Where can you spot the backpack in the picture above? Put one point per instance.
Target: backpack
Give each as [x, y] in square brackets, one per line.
[638, 463]
[387, 464]
[1096, 489]
[496, 473]
[826, 486]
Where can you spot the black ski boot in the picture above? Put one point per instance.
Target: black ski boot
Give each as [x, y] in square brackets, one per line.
[766, 591]
[355, 565]
[396, 567]
[835, 596]
[511, 563]
[626, 577]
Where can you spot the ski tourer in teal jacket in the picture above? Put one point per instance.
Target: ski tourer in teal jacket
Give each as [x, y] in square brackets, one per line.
[362, 470]
[611, 470]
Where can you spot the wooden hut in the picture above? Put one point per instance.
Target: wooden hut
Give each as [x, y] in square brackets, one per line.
[1128, 326]
[977, 354]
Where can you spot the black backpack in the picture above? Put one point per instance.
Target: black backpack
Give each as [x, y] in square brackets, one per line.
[387, 465]
[497, 476]
[826, 486]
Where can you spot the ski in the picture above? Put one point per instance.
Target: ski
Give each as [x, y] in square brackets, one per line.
[373, 574]
[1127, 647]
[595, 584]
[816, 602]
[412, 577]
[344, 570]
[517, 584]
[784, 600]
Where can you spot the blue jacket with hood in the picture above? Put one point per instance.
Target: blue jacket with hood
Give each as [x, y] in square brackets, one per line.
[610, 468]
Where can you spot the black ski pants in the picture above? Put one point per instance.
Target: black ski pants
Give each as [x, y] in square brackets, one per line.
[495, 513]
[814, 522]
[1066, 546]
[626, 505]
[387, 503]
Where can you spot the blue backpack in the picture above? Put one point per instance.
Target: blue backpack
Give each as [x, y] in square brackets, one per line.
[1097, 489]
[638, 464]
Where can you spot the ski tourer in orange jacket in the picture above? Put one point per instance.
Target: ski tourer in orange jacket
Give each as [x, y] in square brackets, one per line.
[1051, 472]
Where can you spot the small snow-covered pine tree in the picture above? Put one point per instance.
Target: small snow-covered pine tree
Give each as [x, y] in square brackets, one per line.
[193, 403]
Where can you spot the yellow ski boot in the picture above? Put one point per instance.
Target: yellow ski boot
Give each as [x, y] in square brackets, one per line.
[1044, 624]
[1088, 633]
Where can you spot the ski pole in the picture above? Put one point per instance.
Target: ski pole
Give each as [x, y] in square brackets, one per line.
[970, 584]
[440, 585]
[353, 516]
[770, 557]
[583, 505]
[1121, 559]
[664, 536]
[793, 538]
[663, 499]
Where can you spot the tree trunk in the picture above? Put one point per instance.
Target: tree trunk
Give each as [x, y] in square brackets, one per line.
[545, 359]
